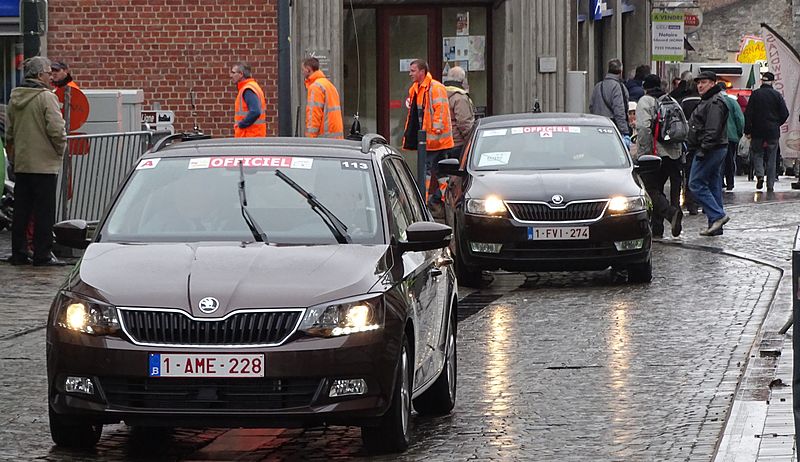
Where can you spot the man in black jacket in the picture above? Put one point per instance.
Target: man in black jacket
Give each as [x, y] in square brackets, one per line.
[766, 112]
[708, 139]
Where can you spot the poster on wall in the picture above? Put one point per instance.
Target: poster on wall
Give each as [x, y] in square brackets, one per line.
[477, 55]
[462, 23]
[455, 48]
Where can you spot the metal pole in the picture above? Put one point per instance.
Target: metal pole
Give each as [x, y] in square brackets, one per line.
[66, 167]
[422, 154]
[795, 336]
[284, 70]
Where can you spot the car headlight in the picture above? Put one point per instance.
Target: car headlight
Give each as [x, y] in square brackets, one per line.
[84, 315]
[344, 317]
[621, 204]
[492, 205]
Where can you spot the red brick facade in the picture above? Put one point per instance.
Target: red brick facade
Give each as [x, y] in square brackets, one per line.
[168, 47]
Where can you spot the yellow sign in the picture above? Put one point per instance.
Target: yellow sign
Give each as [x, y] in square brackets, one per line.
[752, 50]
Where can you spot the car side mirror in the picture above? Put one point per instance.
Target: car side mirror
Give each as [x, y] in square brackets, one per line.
[450, 167]
[72, 233]
[647, 164]
[425, 235]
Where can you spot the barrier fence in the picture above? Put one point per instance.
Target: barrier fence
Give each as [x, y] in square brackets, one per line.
[93, 170]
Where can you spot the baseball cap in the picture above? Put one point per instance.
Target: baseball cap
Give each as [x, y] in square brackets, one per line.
[59, 65]
[706, 75]
[631, 106]
[768, 77]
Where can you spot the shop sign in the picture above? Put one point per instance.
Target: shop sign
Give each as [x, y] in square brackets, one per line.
[9, 8]
[751, 50]
[668, 36]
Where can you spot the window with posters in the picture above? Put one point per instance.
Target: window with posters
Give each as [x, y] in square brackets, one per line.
[197, 199]
[548, 147]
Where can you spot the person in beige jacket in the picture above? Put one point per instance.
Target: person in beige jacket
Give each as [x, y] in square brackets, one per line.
[36, 138]
[462, 112]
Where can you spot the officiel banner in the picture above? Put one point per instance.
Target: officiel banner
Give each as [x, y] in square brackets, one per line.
[784, 62]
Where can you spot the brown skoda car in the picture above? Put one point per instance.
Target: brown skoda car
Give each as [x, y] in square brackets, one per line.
[257, 282]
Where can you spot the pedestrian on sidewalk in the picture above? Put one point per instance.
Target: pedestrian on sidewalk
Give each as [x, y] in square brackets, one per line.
[734, 129]
[766, 112]
[462, 111]
[36, 136]
[610, 99]
[634, 85]
[323, 108]
[686, 94]
[708, 139]
[647, 109]
[249, 115]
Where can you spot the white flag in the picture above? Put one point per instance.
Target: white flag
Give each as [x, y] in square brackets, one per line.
[784, 62]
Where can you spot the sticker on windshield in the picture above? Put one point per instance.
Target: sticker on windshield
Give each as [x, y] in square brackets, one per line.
[542, 129]
[607, 131]
[145, 164]
[489, 159]
[497, 132]
[251, 162]
[354, 165]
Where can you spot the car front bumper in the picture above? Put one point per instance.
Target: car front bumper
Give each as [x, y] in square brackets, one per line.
[520, 253]
[294, 391]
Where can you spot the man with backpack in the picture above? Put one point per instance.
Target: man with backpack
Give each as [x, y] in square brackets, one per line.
[708, 139]
[660, 130]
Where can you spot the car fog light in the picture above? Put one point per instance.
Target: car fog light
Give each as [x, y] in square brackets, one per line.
[485, 247]
[634, 244]
[79, 385]
[348, 387]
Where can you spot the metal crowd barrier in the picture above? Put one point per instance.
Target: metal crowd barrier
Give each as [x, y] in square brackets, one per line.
[93, 169]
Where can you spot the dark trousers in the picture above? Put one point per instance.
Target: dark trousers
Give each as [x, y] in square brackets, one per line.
[654, 183]
[689, 200]
[729, 168]
[34, 196]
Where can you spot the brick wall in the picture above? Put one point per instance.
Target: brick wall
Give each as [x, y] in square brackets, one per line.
[725, 22]
[168, 47]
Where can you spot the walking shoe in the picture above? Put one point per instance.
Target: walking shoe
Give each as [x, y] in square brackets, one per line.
[711, 233]
[692, 210]
[759, 182]
[717, 225]
[50, 262]
[677, 222]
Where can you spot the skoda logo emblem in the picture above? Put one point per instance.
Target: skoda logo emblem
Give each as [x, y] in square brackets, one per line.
[208, 305]
[557, 199]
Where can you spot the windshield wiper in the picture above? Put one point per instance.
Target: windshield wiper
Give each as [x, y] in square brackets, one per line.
[258, 234]
[336, 226]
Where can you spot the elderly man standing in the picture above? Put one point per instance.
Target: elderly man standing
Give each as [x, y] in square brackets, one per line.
[249, 116]
[36, 138]
[462, 111]
[708, 139]
[610, 99]
[766, 112]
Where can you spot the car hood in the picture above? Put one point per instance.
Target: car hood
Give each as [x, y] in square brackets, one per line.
[542, 185]
[251, 276]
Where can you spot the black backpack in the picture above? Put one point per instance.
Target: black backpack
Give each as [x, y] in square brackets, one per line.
[671, 126]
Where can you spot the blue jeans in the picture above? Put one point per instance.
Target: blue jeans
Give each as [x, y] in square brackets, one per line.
[705, 181]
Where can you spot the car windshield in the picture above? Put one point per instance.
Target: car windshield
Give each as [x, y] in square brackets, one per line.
[548, 147]
[197, 199]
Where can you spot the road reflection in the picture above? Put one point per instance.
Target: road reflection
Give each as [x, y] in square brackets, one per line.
[618, 345]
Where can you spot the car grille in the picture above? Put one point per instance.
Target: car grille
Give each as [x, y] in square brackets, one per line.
[177, 328]
[209, 394]
[576, 211]
[577, 249]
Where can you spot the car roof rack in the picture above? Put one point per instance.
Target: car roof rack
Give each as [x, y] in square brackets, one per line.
[368, 140]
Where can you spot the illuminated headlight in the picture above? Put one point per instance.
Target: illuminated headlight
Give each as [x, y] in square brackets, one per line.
[344, 317]
[634, 244]
[79, 385]
[620, 204]
[348, 387]
[492, 205]
[485, 247]
[87, 316]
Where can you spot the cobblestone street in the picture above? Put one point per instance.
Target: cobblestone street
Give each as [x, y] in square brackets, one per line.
[561, 366]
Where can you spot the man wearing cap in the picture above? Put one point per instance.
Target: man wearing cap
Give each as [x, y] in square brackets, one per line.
[61, 76]
[648, 144]
[708, 139]
[766, 112]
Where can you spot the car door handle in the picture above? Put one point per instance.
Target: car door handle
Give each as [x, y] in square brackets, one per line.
[443, 261]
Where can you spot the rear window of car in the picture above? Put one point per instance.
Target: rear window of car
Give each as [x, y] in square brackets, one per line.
[548, 147]
[197, 199]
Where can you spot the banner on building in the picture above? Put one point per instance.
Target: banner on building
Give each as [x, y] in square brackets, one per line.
[751, 50]
[784, 62]
[668, 36]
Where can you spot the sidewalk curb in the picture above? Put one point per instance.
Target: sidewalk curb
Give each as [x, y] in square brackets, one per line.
[748, 414]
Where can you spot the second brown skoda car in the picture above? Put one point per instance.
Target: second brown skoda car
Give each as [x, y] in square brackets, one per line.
[278, 282]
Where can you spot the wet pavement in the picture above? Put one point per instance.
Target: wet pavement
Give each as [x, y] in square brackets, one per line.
[552, 366]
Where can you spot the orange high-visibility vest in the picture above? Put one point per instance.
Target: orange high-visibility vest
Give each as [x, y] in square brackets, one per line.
[432, 100]
[259, 127]
[323, 109]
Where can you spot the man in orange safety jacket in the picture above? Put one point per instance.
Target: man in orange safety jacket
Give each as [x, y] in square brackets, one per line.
[429, 110]
[323, 108]
[249, 110]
